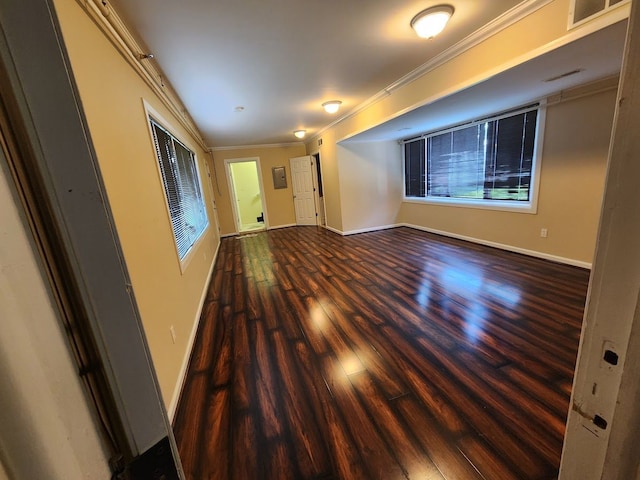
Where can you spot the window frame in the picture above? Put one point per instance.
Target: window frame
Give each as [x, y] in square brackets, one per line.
[152, 115]
[520, 206]
[607, 8]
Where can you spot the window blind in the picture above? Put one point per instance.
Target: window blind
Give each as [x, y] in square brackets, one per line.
[182, 189]
[487, 160]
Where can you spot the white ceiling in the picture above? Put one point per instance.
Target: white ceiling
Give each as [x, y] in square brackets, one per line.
[280, 59]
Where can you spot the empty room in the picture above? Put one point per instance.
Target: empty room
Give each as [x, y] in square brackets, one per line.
[336, 240]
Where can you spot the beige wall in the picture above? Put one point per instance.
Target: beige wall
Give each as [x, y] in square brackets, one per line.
[573, 165]
[574, 217]
[111, 94]
[371, 184]
[574, 157]
[279, 203]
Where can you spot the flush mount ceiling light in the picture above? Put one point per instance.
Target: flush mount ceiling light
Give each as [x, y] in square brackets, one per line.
[430, 22]
[300, 133]
[331, 106]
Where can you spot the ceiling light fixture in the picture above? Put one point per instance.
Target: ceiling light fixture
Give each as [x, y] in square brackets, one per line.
[331, 106]
[300, 133]
[430, 22]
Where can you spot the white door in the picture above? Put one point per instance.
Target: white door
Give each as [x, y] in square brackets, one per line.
[303, 192]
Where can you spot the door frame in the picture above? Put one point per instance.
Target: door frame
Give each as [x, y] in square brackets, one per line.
[232, 191]
[313, 186]
[321, 209]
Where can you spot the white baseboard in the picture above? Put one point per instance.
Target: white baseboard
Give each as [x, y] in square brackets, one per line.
[192, 338]
[502, 246]
[275, 227]
[370, 229]
[363, 230]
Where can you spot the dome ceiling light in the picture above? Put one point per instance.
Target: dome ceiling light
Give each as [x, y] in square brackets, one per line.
[430, 22]
[332, 106]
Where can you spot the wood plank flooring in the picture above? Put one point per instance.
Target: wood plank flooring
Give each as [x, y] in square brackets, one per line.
[389, 355]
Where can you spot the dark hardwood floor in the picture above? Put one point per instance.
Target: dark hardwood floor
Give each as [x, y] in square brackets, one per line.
[389, 355]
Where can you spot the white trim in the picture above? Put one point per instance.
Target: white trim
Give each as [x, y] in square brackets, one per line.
[287, 225]
[530, 206]
[265, 145]
[112, 26]
[606, 9]
[334, 230]
[507, 19]
[227, 235]
[177, 391]
[152, 114]
[498, 24]
[609, 18]
[370, 229]
[498, 205]
[364, 230]
[502, 246]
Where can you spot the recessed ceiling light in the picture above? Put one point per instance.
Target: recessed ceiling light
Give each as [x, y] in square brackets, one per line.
[300, 133]
[239, 108]
[430, 22]
[332, 106]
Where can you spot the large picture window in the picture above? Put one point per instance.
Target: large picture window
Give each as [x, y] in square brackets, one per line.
[182, 188]
[486, 162]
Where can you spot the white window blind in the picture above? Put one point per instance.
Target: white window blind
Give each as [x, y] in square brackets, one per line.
[182, 188]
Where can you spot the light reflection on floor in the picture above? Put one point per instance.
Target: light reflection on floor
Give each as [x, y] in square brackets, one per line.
[468, 287]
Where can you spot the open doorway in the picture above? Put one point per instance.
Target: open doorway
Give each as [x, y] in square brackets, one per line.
[317, 181]
[247, 199]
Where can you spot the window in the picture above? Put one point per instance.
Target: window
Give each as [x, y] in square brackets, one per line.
[490, 162]
[582, 10]
[182, 188]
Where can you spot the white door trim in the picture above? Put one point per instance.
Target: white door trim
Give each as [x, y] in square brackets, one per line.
[302, 203]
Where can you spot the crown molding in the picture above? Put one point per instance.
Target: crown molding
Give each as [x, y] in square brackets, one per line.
[498, 24]
[112, 26]
[248, 147]
[507, 19]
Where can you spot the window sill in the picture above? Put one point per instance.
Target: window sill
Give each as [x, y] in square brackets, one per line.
[502, 206]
